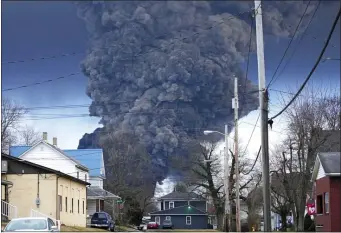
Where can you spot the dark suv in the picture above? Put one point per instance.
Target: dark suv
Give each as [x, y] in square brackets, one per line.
[102, 220]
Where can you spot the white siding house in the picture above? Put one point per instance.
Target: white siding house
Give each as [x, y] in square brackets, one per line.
[84, 164]
[47, 155]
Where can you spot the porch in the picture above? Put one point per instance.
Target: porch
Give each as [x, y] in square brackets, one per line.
[8, 211]
[98, 200]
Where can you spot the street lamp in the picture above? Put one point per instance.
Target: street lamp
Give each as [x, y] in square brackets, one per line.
[226, 171]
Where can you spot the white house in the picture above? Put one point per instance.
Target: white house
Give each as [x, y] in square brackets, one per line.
[85, 164]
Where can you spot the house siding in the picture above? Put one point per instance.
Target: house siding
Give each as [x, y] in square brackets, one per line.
[75, 191]
[24, 191]
[201, 205]
[91, 207]
[335, 198]
[320, 173]
[96, 181]
[179, 221]
[323, 220]
[48, 157]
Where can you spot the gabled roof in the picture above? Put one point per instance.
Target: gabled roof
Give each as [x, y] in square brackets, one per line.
[330, 162]
[91, 158]
[19, 151]
[181, 210]
[181, 196]
[45, 169]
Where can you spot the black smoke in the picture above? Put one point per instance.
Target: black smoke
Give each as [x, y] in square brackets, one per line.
[164, 70]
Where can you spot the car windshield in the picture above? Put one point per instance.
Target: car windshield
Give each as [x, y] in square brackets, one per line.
[152, 222]
[99, 216]
[26, 224]
[166, 221]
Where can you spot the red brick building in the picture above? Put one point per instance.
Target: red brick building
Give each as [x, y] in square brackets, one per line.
[327, 182]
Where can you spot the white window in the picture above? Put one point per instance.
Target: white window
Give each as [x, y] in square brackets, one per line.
[168, 218]
[171, 205]
[326, 202]
[157, 219]
[188, 220]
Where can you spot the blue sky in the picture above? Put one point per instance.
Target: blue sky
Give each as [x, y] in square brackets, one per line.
[44, 29]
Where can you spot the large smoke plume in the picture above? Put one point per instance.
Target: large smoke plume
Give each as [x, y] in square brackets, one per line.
[163, 70]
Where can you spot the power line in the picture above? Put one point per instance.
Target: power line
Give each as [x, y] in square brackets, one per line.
[291, 40]
[119, 44]
[42, 82]
[314, 67]
[253, 130]
[43, 58]
[300, 40]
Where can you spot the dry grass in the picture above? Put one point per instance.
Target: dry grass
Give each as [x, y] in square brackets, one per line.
[183, 230]
[82, 229]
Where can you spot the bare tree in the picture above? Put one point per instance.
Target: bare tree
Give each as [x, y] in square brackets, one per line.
[29, 136]
[308, 119]
[127, 168]
[204, 169]
[11, 114]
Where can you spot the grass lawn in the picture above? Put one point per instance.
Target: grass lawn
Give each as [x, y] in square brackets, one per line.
[183, 230]
[83, 229]
[68, 228]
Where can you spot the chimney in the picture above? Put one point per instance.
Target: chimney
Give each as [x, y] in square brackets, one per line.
[45, 136]
[55, 141]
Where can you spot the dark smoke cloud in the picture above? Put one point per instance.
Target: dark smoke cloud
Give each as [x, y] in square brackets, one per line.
[169, 68]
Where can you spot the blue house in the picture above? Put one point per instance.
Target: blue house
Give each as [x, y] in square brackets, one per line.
[84, 164]
[185, 210]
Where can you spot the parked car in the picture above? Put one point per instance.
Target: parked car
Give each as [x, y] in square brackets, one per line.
[167, 224]
[31, 224]
[102, 220]
[152, 225]
[143, 224]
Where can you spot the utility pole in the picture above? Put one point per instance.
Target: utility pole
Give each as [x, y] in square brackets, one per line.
[236, 108]
[226, 184]
[263, 102]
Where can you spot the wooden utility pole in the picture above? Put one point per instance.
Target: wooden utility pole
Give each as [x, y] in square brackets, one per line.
[236, 107]
[226, 184]
[263, 102]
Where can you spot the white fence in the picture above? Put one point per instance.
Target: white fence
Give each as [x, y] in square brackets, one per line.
[35, 213]
[8, 210]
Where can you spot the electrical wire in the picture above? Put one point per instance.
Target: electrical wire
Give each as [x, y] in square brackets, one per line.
[253, 130]
[159, 36]
[42, 82]
[313, 69]
[286, 50]
[299, 42]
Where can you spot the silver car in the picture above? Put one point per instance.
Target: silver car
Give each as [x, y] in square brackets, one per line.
[31, 224]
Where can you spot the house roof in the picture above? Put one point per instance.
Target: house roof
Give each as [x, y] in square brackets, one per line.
[86, 159]
[45, 169]
[181, 196]
[91, 158]
[97, 192]
[330, 162]
[181, 210]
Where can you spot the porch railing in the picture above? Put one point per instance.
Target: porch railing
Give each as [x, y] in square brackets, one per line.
[35, 213]
[8, 210]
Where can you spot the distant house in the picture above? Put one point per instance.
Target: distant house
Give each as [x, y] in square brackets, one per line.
[326, 176]
[30, 189]
[85, 164]
[185, 210]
